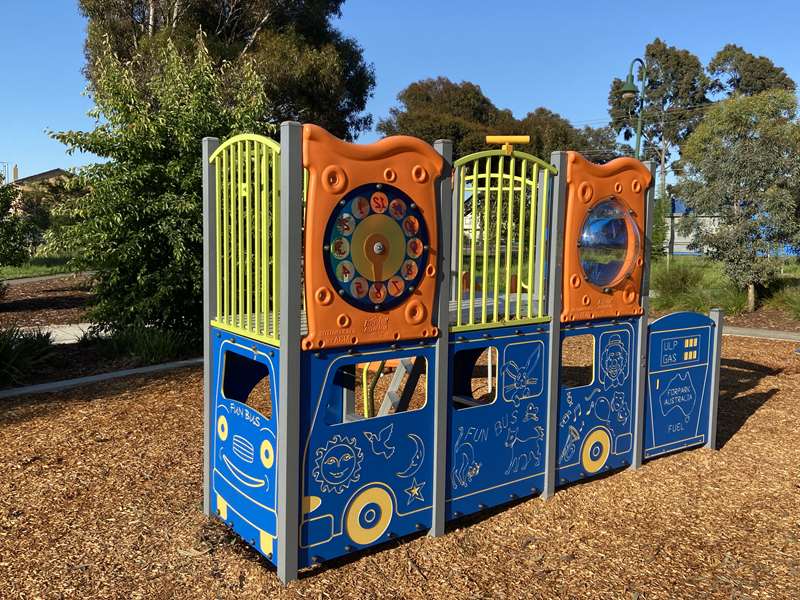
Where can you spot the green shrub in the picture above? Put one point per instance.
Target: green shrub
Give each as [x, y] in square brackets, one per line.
[695, 286]
[788, 299]
[148, 345]
[22, 352]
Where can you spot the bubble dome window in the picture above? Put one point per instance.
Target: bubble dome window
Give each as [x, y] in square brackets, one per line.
[609, 243]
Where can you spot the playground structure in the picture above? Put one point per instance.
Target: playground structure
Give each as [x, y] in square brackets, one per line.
[386, 330]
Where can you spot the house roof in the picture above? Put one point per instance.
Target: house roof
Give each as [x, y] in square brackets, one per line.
[43, 176]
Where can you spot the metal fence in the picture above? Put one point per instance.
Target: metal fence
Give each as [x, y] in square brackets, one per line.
[500, 239]
[247, 213]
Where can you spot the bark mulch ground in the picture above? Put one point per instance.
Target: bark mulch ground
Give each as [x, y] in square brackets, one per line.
[100, 497]
[52, 302]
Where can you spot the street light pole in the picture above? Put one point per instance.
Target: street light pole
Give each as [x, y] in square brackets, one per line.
[629, 91]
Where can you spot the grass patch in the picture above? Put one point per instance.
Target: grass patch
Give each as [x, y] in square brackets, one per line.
[696, 285]
[22, 352]
[148, 345]
[787, 298]
[36, 267]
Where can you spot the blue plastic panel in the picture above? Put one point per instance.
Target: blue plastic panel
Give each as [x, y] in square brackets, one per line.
[366, 481]
[678, 383]
[496, 451]
[595, 421]
[243, 453]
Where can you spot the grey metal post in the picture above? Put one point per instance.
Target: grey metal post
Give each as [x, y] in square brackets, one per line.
[440, 399]
[641, 327]
[288, 492]
[555, 266]
[210, 144]
[718, 316]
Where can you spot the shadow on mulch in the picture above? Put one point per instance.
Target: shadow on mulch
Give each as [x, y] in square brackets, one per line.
[44, 303]
[736, 405]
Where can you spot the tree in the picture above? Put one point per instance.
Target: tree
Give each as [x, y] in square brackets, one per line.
[309, 70]
[735, 71]
[742, 165]
[138, 226]
[674, 100]
[15, 230]
[461, 112]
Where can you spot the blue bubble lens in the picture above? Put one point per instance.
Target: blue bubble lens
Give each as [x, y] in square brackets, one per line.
[604, 243]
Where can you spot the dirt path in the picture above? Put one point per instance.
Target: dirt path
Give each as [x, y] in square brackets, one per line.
[100, 497]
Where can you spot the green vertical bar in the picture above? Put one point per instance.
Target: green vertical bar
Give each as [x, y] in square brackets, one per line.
[509, 238]
[248, 199]
[460, 231]
[232, 199]
[543, 241]
[239, 231]
[225, 238]
[257, 245]
[532, 238]
[487, 165]
[473, 237]
[521, 234]
[218, 234]
[276, 244]
[497, 214]
[266, 249]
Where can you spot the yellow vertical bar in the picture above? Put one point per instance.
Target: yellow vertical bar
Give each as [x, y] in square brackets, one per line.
[257, 245]
[276, 244]
[460, 232]
[542, 241]
[248, 199]
[509, 238]
[485, 233]
[532, 237]
[498, 212]
[217, 234]
[266, 249]
[232, 198]
[472, 251]
[521, 234]
[226, 299]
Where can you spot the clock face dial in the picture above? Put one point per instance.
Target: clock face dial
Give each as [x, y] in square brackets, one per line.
[376, 247]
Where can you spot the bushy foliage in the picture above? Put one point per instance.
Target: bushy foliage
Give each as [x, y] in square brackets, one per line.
[22, 352]
[695, 287]
[139, 224]
[15, 230]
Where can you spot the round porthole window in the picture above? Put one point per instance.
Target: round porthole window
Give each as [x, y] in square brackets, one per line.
[609, 244]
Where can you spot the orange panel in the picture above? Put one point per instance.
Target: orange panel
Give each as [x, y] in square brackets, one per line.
[336, 169]
[609, 282]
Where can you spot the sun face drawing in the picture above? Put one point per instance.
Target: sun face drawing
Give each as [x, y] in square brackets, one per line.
[338, 464]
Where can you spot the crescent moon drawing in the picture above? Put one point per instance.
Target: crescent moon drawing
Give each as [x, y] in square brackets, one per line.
[416, 459]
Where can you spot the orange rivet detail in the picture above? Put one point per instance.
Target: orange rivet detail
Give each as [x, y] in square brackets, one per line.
[307, 344]
[389, 175]
[415, 312]
[419, 174]
[636, 186]
[343, 320]
[334, 179]
[586, 300]
[575, 280]
[585, 192]
[430, 270]
[618, 187]
[424, 333]
[321, 343]
[639, 261]
[324, 296]
[354, 340]
[435, 332]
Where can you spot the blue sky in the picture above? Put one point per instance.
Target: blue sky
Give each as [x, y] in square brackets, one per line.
[524, 54]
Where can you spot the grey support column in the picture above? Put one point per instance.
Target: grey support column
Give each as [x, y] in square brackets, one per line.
[440, 398]
[555, 266]
[288, 490]
[642, 337]
[717, 315]
[210, 144]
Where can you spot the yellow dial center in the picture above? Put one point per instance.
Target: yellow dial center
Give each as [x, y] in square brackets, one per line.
[378, 247]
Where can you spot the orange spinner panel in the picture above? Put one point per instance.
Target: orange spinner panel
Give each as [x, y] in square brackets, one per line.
[588, 184]
[335, 167]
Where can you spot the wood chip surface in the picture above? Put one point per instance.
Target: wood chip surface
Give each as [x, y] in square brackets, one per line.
[101, 493]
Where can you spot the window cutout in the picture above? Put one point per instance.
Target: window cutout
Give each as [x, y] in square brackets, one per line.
[474, 377]
[577, 360]
[246, 380]
[378, 388]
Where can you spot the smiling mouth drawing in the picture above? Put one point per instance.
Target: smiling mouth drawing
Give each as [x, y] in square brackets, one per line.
[242, 476]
